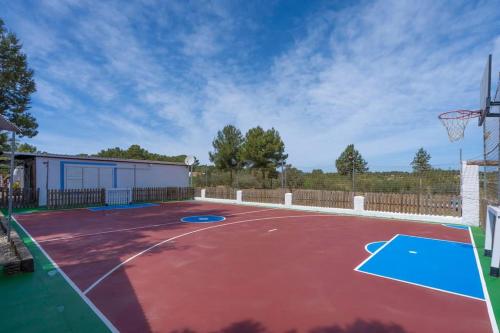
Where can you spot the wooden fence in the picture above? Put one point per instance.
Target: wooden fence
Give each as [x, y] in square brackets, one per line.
[265, 196]
[57, 199]
[437, 204]
[160, 194]
[21, 198]
[220, 192]
[68, 198]
[317, 198]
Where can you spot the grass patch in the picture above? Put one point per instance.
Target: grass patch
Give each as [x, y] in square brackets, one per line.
[43, 301]
[493, 284]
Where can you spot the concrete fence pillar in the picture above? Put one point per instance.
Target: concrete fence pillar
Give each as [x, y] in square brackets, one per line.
[288, 199]
[470, 194]
[239, 196]
[359, 202]
[203, 193]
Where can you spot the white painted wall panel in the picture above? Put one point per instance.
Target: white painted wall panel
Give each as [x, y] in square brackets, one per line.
[73, 177]
[161, 176]
[91, 177]
[124, 178]
[105, 177]
[47, 169]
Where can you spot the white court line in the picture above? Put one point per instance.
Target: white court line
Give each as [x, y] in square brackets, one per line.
[437, 239]
[455, 226]
[421, 285]
[93, 285]
[176, 221]
[99, 314]
[357, 269]
[255, 211]
[272, 230]
[491, 314]
[366, 246]
[109, 232]
[377, 251]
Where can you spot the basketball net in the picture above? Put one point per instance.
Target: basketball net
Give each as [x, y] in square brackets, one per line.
[455, 122]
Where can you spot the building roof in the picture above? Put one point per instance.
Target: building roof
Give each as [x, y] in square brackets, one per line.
[93, 158]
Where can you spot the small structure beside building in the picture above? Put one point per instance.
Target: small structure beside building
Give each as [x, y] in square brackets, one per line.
[43, 172]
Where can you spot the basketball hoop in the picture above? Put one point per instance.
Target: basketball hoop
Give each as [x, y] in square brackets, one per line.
[456, 121]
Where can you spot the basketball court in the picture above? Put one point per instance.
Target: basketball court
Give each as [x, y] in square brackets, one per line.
[201, 266]
[209, 267]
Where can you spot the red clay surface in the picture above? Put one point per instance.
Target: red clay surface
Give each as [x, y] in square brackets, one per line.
[246, 277]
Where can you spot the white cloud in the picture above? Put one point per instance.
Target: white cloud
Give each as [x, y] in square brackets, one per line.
[375, 74]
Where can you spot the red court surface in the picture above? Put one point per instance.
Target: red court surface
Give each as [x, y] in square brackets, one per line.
[260, 270]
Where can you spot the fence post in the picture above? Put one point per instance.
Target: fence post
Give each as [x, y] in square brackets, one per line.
[288, 199]
[103, 196]
[470, 194]
[359, 202]
[239, 196]
[203, 193]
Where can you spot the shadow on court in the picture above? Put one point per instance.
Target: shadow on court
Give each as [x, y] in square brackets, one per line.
[358, 326]
[98, 241]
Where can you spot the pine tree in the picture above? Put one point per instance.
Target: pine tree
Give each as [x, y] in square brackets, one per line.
[350, 160]
[226, 154]
[263, 150]
[16, 85]
[421, 160]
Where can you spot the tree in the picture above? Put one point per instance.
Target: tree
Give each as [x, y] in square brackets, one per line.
[136, 152]
[115, 152]
[16, 85]
[421, 160]
[350, 160]
[227, 146]
[263, 150]
[294, 177]
[26, 148]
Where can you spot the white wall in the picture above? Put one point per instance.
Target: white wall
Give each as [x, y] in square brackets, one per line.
[470, 194]
[73, 173]
[156, 175]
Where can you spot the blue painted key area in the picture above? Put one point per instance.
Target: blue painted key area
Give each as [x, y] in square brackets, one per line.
[439, 264]
[457, 226]
[130, 206]
[203, 219]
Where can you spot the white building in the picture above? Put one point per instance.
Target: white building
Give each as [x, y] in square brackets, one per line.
[51, 171]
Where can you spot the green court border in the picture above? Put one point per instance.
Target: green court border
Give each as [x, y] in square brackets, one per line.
[492, 284]
[44, 301]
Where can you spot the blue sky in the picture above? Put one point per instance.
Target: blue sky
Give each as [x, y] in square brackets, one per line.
[168, 74]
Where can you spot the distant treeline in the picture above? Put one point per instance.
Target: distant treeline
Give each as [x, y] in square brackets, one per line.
[432, 181]
[136, 152]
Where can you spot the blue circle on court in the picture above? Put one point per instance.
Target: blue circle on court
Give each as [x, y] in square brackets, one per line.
[203, 218]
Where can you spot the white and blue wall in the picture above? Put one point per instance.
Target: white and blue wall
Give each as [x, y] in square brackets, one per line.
[65, 173]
